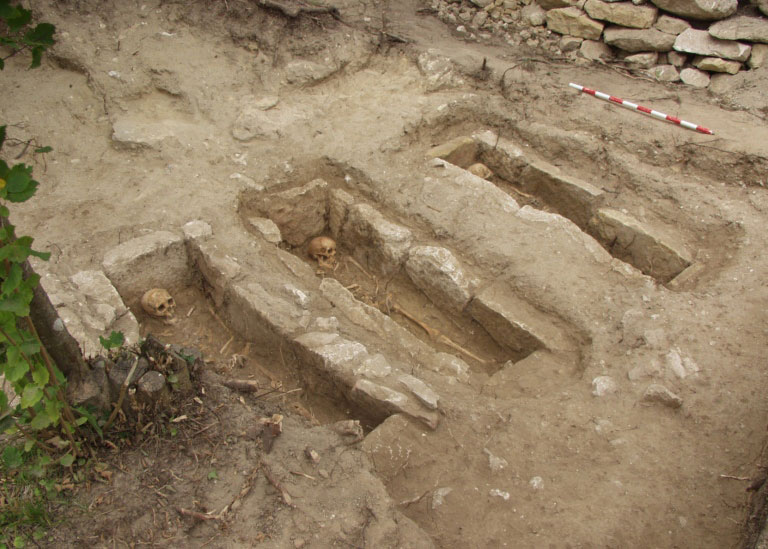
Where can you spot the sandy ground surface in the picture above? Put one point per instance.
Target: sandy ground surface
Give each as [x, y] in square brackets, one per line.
[143, 103]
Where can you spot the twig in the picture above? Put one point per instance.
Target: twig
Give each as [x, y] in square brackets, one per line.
[289, 392]
[123, 390]
[734, 478]
[245, 385]
[273, 481]
[299, 473]
[356, 264]
[197, 515]
[224, 348]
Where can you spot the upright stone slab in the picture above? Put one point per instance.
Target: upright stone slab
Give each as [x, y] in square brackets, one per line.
[644, 247]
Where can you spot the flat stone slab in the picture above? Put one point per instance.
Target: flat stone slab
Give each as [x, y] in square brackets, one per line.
[702, 43]
[378, 242]
[638, 40]
[515, 324]
[671, 25]
[694, 77]
[706, 10]
[156, 260]
[647, 249]
[569, 196]
[460, 151]
[437, 272]
[741, 27]
[574, 22]
[625, 14]
[299, 212]
[717, 64]
[370, 394]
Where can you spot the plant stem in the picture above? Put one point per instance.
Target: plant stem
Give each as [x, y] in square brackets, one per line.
[69, 416]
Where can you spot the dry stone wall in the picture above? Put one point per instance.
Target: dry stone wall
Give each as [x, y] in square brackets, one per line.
[670, 40]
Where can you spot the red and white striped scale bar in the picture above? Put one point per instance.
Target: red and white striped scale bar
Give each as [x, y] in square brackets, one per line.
[655, 114]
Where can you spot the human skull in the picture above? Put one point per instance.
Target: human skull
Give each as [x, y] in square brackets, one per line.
[480, 170]
[323, 250]
[158, 303]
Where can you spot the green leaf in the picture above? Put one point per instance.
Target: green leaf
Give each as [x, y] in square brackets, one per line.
[28, 446]
[67, 460]
[13, 279]
[16, 366]
[19, 543]
[18, 20]
[12, 457]
[45, 149]
[41, 35]
[15, 304]
[213, 474]
[81, 420]
[3, 401]
[4, 211]
[40, 422]
[45, 256]
[40, 376]
[114, 340]
[37, 57]
[18, 178]
[24, 195]
[6, 10]
[30, 396]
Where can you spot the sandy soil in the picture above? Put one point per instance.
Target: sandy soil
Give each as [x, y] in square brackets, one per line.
[139, 101]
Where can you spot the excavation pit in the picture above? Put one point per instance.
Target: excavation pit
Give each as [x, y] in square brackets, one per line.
[650, 247]
[396, 270]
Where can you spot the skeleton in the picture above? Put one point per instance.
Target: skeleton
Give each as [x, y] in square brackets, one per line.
[323, 250]
[480, 170]
[158, 303]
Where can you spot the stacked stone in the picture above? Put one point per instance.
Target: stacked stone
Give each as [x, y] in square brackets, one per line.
[668, 47]
[656, 37]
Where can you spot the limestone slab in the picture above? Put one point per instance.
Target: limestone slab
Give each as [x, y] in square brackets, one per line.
[646, 248]
[702, 43]
[574, 22]
[717, 64]
[741, 27]
[638, 40]
[625, 14]
[437, 272]
[705, 10]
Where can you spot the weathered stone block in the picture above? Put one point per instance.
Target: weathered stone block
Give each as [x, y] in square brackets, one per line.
[381, 244]
[515, 324]
[759, 56]
[644, 247]
[625, 14]
[437, 273]
[372, 395]
[665, 73]
[694, 77]
[157, 260]
[742, 27]
[642, 60]
[152, 391]
[574, 22]
[420, 390]
[569, 196]
[638, 40]
[594, 50]
[716, 64]
[299, 212]
[460, 151]
[702, 43]
[707, 10]
[671, 25]
[267, 228]
[339, 203]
